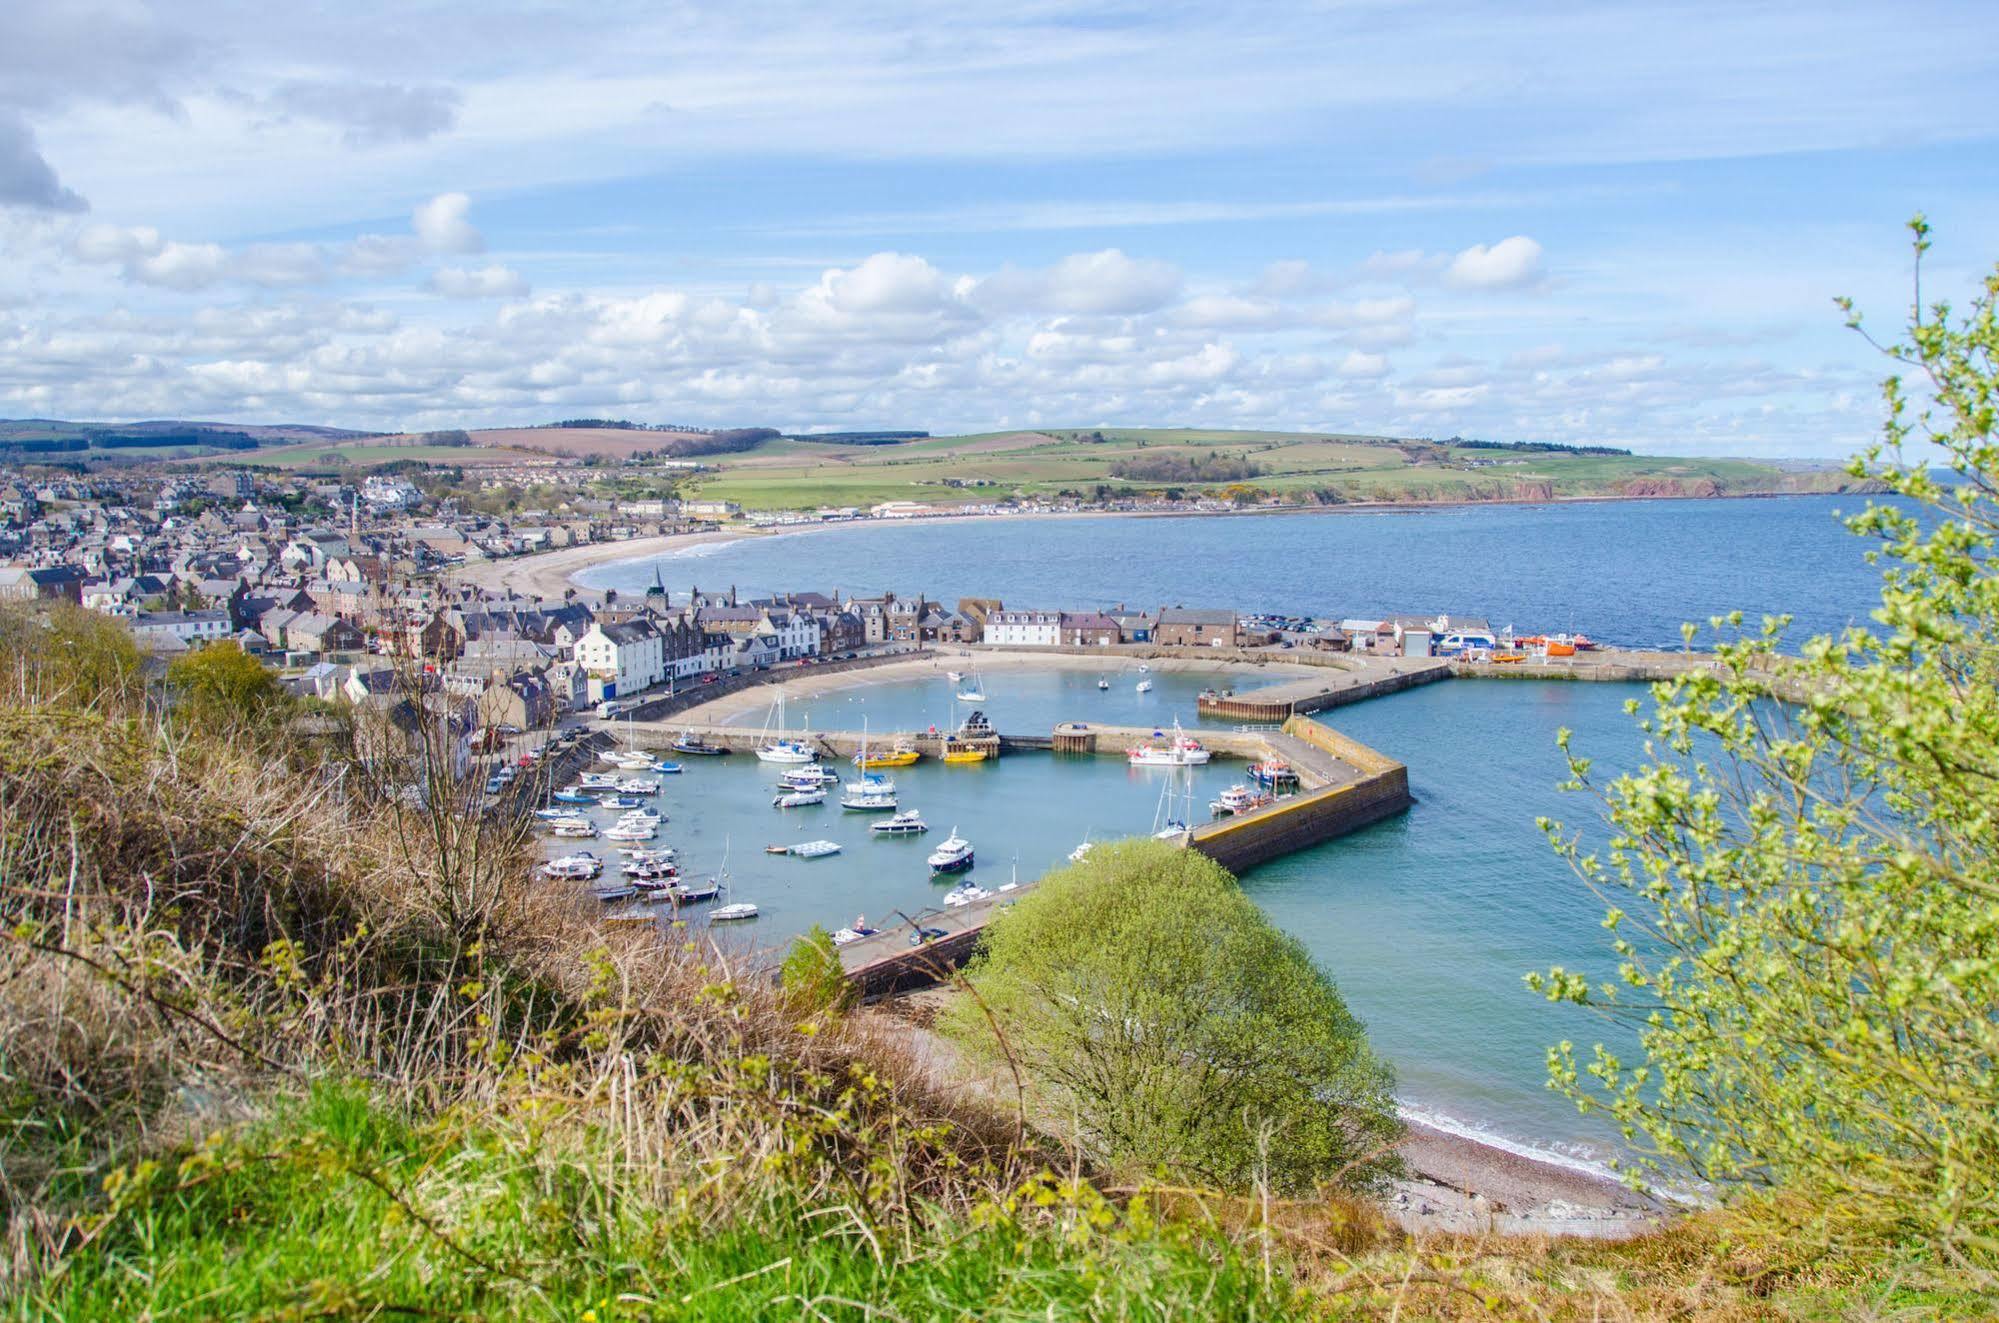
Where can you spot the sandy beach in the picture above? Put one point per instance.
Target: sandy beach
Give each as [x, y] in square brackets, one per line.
[551, 573]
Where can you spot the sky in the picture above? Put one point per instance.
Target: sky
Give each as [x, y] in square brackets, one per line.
[1585, 222]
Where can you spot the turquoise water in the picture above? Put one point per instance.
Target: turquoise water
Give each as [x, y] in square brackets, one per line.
[1628, 572]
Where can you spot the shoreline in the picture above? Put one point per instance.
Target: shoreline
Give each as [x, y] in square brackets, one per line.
[1459, 1184]
[551, 573]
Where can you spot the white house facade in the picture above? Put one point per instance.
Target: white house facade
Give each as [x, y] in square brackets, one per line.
[1024, 629]
[630, 655]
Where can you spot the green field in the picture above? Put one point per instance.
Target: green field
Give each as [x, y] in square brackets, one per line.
[312, 456]
[1337, 467]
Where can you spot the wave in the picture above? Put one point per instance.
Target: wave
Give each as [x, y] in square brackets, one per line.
[1574, 1156]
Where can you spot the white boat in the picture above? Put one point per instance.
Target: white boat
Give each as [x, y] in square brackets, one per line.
[1236, 799]
[854, 932]
[575, 830]
[1145, 686]
[631, 831]
[799, 799]
[741, 909]
[815, 849]
[1183, 750]
[567, 820]
[630, 759]
[954, 676]
[1143, 667]
[580, 867]
[650, 873]
[639, 785]
[646, 816]
[811, 777]
[965, 893]
[597, 781]
[1169, 821]
[858, 799]
[1082, 852]
[975, 692]
[778, 748]
[643, 855]
[906, 822]
[1102, 683]
[693, 893]
[953, 856]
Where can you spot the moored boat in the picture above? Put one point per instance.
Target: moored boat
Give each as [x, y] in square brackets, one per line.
[734, 912]
[579, 867]
[906, 822]
[1236, 799]
[965, 893]
[1183, 750]
[953, 856]
[693, 745]
[798, 799]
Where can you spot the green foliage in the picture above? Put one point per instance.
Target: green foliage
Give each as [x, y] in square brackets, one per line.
[1805, 881]
[343, 1207]
[221, 686]
[811, 975]
[61, 654]
[1166, 1021]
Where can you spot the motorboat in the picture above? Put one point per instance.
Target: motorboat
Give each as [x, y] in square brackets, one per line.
[650, 872]
[1145, 686]
[580, 867]
[798, 799]
[664, 767]
[1273, 772]
[810, 776]
[854, 932]
[1103, 683]
[554, 814]
[694, 746]
[629, 759]
[1236, 799]
[1082, 852]
[693, 893]
[567, 820]
[631, 831]
[639, 785]
[649, 817]
[598, 780]
[664, 854]
[906, 822]
[575, 830]
[953, 856]
[733, 912]
[902, 754]
[613, 892]
[572, 797]
[1183, 750]
[954, 676]
[965, 893]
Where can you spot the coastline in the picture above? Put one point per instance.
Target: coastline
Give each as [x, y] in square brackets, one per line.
[551, 573]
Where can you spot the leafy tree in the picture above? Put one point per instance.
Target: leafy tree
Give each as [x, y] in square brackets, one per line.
[1805, 882]
[1160, 1018]
[61, 653]
[221, 686]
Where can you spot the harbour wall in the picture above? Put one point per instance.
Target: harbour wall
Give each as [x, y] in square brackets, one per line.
[661, 706]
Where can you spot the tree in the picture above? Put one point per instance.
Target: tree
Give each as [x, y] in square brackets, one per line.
[221, 686]
[1811, 869]
[812, 976]
[1161, 1019]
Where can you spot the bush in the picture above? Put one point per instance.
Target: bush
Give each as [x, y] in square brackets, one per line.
[1152, 1006]
[812, 977]
[1811, 951]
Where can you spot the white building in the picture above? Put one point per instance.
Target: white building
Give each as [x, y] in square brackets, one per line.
[188, 627]
[627, 657]
[795, 633]
[710, 509]
[1024, 629]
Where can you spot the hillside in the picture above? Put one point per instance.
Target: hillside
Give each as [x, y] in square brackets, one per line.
[1317, 468]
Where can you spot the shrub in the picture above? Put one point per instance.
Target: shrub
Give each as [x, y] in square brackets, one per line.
[1153, 1008]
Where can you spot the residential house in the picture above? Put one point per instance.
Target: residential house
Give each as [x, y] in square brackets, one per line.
[1183, 627]
[1008, 628]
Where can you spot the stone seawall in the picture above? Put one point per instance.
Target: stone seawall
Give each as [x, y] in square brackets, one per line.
[1302, 821]
[661, 706]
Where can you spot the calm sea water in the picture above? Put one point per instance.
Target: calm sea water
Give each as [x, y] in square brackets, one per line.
[1629, 572]
[1428, 921]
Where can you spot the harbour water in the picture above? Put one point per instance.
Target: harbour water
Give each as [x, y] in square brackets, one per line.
[1427, 921]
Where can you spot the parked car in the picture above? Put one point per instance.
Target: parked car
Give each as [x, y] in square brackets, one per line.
[922, 935]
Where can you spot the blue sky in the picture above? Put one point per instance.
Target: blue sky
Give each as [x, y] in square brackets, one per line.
[1581, 221]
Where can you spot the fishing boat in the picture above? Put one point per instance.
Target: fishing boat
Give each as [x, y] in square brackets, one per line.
[975, 741]
[575, 830]
[1145, 686]
[791, 799]
[777, 747]
[903, 754]
[1183, 750]
[732, 913]
[953, 856]
[964, 755]
[580, 867]
[906, 822]
[1273, 772]
[1236, 799]
[694, 746]
[965, 893]
[639, 785]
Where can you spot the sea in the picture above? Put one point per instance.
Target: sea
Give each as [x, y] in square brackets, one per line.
[1427, 922]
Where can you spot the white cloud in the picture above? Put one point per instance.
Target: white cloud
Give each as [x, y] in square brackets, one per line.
[486, 282]
[1363, 367]
[1106, 283]
[444, 226]
[1509, 264]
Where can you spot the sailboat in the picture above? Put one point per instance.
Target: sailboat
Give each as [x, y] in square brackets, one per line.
[870, 791]
[1166, 825]
[974, 692]
[1103, 683]
[780, 749]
